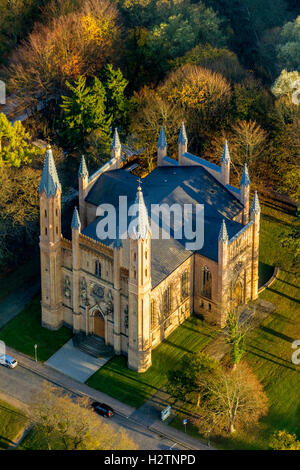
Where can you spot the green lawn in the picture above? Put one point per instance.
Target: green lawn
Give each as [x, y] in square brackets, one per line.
[9, 282]
[25, 330]
[269, 346]
[133, 388]
[12, 422]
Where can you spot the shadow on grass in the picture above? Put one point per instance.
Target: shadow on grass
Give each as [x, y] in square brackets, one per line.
[293, 299]
[270, 331]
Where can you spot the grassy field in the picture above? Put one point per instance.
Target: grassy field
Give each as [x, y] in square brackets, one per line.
[12, 422]
[9, 282]
[269, 346]
[132, 388]
[25, 330]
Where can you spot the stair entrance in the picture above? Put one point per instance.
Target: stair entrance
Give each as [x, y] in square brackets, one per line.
[99, 325]
[93, 345]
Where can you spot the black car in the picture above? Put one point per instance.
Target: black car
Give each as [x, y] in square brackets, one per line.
[102, 409]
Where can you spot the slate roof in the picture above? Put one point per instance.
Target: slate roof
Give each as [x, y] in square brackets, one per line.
[184, 184]
[255, 204]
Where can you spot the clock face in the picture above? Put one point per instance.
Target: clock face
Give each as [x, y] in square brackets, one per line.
[98, 291]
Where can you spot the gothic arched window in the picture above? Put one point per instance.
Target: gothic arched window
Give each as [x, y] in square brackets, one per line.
[206, 283]
[97, 269]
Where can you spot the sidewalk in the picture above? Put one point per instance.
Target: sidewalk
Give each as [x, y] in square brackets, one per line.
[75, 387]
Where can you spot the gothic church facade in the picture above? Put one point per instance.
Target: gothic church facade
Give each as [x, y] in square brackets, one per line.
[134, 292]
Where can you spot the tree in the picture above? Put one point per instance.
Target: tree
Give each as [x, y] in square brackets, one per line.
[84, 111]
[235, 338]
[15, 144]
[284, 85]
[117, 103]
[232, 401]
[77, 43]
[64, 422]
[19, 212]
[282, 440]
[289, 46]
[185, 383]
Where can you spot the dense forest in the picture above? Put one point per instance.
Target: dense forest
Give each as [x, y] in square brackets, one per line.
[80, 68]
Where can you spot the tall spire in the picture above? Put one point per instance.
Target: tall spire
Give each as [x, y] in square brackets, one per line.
[182, 138]
[223, 235]
[162, 141]
[141, 225]
[49, 180]
[225, 154]
[245, 180]
[83, 171]
[255, 208]
[76, 224]
[116, 144]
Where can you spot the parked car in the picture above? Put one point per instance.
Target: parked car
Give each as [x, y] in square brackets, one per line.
[102, 409]
[8, 361]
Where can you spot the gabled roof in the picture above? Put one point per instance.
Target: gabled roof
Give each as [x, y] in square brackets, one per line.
[49, 180]
[171, 185]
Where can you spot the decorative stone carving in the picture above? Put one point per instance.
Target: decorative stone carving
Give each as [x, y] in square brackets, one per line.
[83, 292]
[98, 292]
[67, 287]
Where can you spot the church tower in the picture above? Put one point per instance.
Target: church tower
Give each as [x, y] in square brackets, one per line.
[255, 218]
[222, 272]
[83, 181]
[50, 243]
[139, 350]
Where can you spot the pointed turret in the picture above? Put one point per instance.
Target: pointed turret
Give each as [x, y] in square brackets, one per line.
[245, 180]
[226, 154]
[116, 148]
[161, 147]
[255, 208]
[182, 143]
[140, 223]
[83, 171]
[244, 194]
[225, 164]
[76, 224]
[49, 180]
[223, 235]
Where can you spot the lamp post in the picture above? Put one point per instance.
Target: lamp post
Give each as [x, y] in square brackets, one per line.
[35, 352]
[208, 438]
[184, 421]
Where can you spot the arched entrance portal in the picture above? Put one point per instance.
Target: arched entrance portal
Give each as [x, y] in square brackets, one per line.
[238, 294]
[99, 325]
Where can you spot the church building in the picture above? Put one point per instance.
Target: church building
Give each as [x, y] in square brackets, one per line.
[134, 292]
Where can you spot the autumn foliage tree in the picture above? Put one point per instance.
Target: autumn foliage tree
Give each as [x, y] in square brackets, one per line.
[233, 400]
[73, 44]
[63, 422]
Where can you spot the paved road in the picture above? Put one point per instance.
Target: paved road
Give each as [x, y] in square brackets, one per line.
[22, 383]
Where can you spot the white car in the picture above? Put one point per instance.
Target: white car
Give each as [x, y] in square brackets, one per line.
[8, 361]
